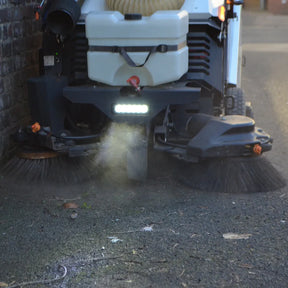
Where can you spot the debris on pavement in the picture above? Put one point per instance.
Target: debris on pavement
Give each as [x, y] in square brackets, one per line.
[148, 228]
[245, 265]
[61, 269]
[70, 205]
[115, 239]
[235, 236]
[86, 206]
[74, 215]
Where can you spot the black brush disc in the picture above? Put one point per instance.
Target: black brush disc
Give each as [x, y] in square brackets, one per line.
[233, 175]
[41, 165]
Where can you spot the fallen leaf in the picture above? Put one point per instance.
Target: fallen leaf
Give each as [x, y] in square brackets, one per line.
[86, 206]
[3, 284]
[70, 205]
[235, 236]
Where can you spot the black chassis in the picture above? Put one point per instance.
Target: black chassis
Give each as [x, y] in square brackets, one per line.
[185, 118]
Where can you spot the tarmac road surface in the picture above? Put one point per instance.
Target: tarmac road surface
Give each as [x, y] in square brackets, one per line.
[160, 233]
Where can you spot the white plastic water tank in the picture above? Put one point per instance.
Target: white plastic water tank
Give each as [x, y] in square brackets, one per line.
[108, 30]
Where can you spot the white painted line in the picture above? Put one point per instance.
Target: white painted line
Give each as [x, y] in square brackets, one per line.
[265, 47]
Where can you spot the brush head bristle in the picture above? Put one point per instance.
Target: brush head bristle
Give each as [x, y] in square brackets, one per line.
[233, 175]
[61, 169]
[228, 175]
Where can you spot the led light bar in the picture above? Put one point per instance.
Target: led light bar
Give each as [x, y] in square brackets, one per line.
[131, 109]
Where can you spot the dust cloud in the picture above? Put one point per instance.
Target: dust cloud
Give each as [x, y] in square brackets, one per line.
[119, 139]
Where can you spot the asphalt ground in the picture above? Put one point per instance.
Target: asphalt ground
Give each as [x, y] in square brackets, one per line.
[161, 233]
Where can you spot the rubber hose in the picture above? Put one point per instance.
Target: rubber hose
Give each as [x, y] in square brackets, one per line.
[144, 7]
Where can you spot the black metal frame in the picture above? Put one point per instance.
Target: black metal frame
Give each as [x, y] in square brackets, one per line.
[156, 98]
[199, 92]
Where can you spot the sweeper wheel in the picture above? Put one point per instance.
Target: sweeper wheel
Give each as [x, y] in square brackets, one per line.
[238, 107]
[249, 109]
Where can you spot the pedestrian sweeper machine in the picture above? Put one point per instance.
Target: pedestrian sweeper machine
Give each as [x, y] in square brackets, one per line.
[169, 67]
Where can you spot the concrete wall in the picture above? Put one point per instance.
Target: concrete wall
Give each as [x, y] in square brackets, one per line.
[20, 38]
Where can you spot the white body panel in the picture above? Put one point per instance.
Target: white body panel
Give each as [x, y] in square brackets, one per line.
[163, 27]
[93, 5]
[202, 9]
[234, 60]
[148, 32]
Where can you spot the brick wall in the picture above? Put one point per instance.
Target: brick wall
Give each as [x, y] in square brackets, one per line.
[278, 6]
[252, 4]
[20, 38]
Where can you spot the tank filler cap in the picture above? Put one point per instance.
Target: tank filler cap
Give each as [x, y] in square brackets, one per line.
[133, 16]
[134, 81]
